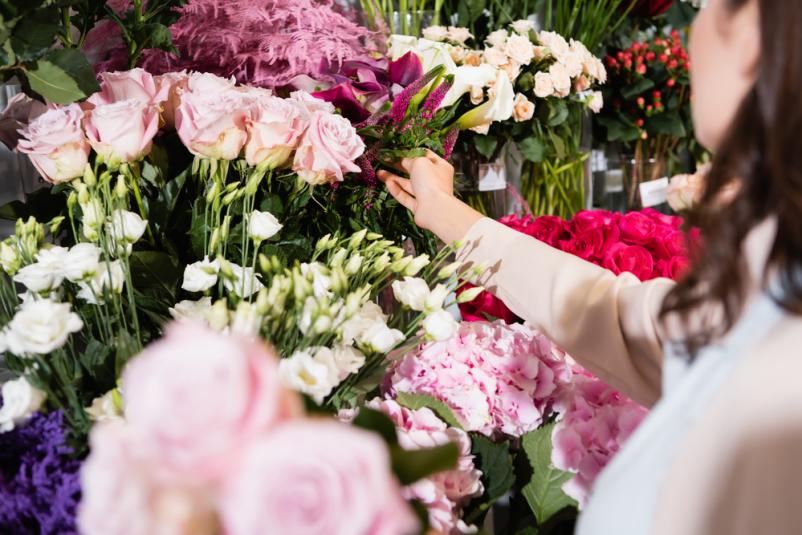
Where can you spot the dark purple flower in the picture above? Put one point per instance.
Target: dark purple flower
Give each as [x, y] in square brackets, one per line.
[342, 96]
[449, 142]
[405, 69]
[39, 478]
[434, 99]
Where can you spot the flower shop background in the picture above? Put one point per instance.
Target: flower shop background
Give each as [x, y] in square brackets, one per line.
[207, 298]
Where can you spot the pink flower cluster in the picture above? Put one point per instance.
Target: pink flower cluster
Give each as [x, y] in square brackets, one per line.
[212, 443]
[443, 494]
[214, 118]
[647, 244]
[498, 379]
[596, 421]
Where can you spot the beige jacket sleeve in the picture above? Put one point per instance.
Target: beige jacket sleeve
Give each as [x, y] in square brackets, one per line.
[608, 323]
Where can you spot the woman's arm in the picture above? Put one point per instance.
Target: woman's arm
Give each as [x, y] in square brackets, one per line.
[606, 322]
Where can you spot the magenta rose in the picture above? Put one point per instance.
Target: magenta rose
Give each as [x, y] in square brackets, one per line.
[637, 228]
[672, 221]
[590, 219]
[485, 306]
[200, 396]
[122, 131]
[521, 224]
[675, 268]
[588, 245]
[669, 243]
[328, 149]
[312, 477]
[212, 124]
[548, 229]
[137, 84]
[634, 259]
[275, 128]
[173, 84]
[56, 144]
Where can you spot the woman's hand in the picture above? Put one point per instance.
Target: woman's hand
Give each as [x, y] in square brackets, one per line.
[429, 194]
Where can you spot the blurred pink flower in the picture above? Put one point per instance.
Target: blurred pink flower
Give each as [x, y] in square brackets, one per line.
[274, 131]
[498, 379]
[313, 477]
[122, 131]
[328, 149]
[56, 145]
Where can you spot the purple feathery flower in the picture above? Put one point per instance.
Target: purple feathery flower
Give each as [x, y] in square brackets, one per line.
[434, 99]
[368, 174]
[39, 480]
[449, 142]
[401, 103]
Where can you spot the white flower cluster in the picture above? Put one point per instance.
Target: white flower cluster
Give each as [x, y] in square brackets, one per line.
[20, 401]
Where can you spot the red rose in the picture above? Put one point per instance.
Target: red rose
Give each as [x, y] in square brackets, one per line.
[484, 306]
[516, 223]
[675, 268]
[672, 221]
[652, 8]
[631, 258]
[547, 228]
[669, 243]
[589, 219]
[637, 228]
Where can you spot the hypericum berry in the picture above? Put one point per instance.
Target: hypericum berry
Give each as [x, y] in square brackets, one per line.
[641, 102]
[663, 58]
[641, 69]
[656, 95]
[673, 64]
[671, 82]
[650, 56]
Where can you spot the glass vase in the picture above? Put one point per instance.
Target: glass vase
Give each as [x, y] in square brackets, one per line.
[482, 184]
[411, 22]
[555, 186]
[638, 171]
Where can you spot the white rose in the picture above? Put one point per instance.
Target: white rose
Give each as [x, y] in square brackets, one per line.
[573, 64]
[497, 108]
[520, 49]
[20, 401]
[41, 327]
[246, 282]
[127, 227]
[262, 225]
[246, 320]
[458, 34]
[108, 277]
[108, 407]
[560, 79]
[192, 310]
[523, 108]
[543, 85]
[477, 95]
[481, 129]
[301, 372]
[496, 56]
[523, 26]
[411, 292]
[435, 33]
[555, 42]
[497, 38]
[596, 102]
[200, 276]
[82, 262]
[319, 276]
[440, 326]
[10, 259]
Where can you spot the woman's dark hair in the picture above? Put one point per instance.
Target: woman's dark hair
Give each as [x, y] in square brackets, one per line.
[763, 152]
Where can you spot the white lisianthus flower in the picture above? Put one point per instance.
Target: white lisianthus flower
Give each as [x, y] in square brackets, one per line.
[20, 401]
[82, 262]
[440, 326]
[246, 321]
[192, 310]
[596, 101]
[411, 292]
[127, 227]
[436, 298]
[435, 33]
[497, 38]
[47, 273]
[303, 373]
[246, 282]
[320, 278]
[108, 407]
[10, 259]
[200, 276]
[368, 330]
[523, 26]
[417, 264]
[348, 359]
[262, 225]
[40, 327]
[109, 276]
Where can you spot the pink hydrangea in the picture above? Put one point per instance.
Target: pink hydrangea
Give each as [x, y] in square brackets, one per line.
[596, 421]
[444, 494]
[498, 379]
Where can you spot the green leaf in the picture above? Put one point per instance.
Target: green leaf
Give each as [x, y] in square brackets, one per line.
[485, 145]
[533, 149]
[544, 492]
[420, 401]
[469, 11]
[63, 76]
[35, 34]
[558, 143]
[668, 124]
[495, 461]
[414, 465]
[558, 113]
[378, 422]
[154, 35]
[638, 88]
[155, 273]
[163, 206]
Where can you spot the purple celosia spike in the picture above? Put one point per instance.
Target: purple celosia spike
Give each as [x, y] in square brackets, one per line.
[368, 174]
[449, 142]
[402, 101]
[434, 99]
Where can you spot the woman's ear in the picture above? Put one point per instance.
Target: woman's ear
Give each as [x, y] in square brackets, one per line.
[745, 37]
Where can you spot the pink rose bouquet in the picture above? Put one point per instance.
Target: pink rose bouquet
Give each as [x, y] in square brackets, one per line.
[56, 144]
[122, 131]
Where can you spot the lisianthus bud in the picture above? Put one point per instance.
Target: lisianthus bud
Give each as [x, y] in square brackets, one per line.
[469, 295]
[354, 264]
[127, 227]
[218, 315]
[449, 271]
[435, 299]
[262, 225]
[417, 264]
[357, 239]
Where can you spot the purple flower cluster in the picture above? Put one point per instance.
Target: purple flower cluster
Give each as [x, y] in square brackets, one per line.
[39, 479]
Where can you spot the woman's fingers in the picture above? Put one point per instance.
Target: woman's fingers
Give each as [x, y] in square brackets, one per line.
[400, 189]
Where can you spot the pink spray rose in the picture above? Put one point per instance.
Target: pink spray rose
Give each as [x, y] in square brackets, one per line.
[313, 477]
[122, 131]
[173, 84]
[56, 144]
[199, 396]
[328, 149]
[137, 84]
[125, 493]
[445, 493]
[274, 130]
[212, 122]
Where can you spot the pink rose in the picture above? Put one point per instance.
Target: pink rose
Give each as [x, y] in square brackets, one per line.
[56, 144]
[590, 219]
[588, 245]
[122, 131]
[125, 493]
[199, 396]
[672, 221]
[328, 149]
[310, 103]
[173, 83]
[675, 268]
[19, 112]
[274, 130]
[137, 84]
[212, 123]
[204, 82]
[669, 243]
[636, 228]
[632, 258]
[315, 476]
[547, 229]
